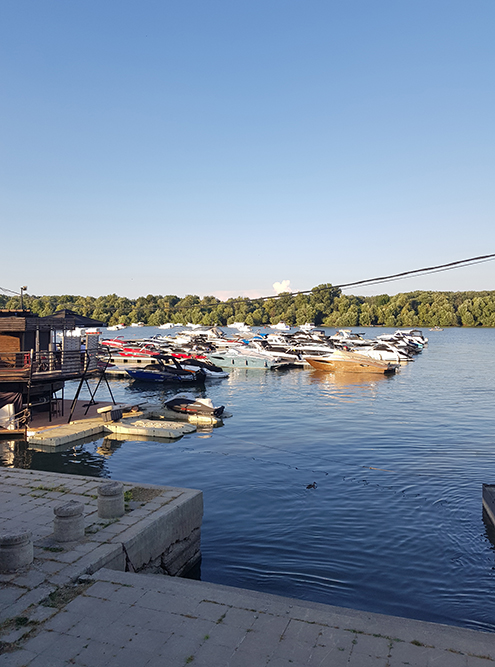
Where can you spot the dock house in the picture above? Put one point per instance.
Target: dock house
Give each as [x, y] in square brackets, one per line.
[37, 356]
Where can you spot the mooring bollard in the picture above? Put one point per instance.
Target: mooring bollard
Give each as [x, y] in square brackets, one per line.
[111, 500]
[68, 525]
[16, 550]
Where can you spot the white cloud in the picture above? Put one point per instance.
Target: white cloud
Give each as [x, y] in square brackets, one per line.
[284, 286]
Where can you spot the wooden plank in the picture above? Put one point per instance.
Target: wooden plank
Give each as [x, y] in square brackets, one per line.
[9, 343]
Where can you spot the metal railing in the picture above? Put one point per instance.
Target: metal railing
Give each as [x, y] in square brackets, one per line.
[71, 362]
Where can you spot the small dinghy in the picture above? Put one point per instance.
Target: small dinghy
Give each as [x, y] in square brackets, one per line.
[188, 404]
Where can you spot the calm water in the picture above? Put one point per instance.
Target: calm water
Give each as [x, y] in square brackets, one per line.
[394, 524]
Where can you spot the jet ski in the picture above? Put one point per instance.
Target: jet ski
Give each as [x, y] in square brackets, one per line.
[187, 403]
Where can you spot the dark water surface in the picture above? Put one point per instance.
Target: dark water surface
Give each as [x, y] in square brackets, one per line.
[395, 522]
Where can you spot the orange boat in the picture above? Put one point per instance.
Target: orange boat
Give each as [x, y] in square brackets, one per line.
[350, 362]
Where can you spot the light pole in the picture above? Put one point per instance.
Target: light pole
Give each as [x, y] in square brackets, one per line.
[23, 289]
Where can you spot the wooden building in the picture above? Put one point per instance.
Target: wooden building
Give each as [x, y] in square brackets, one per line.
[39, 354]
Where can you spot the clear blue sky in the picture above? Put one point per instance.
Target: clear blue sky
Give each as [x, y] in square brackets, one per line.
[220, 146]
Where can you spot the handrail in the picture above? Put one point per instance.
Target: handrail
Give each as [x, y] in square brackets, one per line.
[72, 362]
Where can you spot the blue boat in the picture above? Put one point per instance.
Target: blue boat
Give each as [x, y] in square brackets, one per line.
[167, 372]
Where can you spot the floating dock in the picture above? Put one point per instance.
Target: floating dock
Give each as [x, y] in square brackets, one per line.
[97, 421]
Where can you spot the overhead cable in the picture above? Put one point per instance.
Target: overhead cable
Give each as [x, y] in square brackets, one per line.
[4, 289]
[382, 279]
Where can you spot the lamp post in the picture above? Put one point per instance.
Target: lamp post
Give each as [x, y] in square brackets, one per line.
[23, 289]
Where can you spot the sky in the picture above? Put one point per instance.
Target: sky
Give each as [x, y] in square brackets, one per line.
[236, 148]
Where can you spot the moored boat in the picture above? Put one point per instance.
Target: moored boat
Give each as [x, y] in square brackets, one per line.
[350, 362]
[170, 372]
[186, 403]
[243, 357]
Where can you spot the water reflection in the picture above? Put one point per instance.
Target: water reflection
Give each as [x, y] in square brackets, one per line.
[347, 387]
[15, 454]
[109, 445]
[348, 379]
[72, 459]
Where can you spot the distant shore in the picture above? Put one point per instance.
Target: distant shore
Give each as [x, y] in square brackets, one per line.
[324, 306]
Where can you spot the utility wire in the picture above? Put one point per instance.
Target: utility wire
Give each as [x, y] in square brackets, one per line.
[4, 289]
[369, 281]
[382, 279]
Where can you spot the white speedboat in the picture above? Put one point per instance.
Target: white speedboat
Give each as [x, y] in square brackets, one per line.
[240, 326]
[244, 357]
[281, 326]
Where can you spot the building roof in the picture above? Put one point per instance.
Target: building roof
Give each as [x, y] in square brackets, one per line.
[19, 321]
[68, 316]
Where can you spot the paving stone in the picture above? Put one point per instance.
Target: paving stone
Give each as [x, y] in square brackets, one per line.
[18, 658]
[267, 629]
[94, 654]
[149, 641]
[102, 589]
[297, 652]
[166, 623]
[115, 633]
[30, 579]
[176, 651]
[227, 635]
[329, 656]
[130, 658]
[50, 567]
[136, 616]
[127, 595]
[278, 661]
[246, 658]
[362, 660]
[377, 647]
[63, 621]
[59, 646]
[210, 611]
[10, 594]
[48, 661]
[163, 602]
[209, 655]
[301, 632]
[408, 653]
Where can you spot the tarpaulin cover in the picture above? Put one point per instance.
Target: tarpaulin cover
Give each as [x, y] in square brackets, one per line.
[14, 397]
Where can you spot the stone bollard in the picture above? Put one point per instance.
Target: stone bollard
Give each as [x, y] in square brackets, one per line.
[16, 550]
[111, 500]
[68, 525]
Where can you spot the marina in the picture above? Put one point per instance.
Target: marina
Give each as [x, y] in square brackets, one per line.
[394, 523]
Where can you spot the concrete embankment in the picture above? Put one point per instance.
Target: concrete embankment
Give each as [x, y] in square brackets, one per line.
[77, 605]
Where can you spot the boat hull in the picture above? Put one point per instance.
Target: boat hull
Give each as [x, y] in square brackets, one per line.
[350, 363]
[165, 376]
[243, 361]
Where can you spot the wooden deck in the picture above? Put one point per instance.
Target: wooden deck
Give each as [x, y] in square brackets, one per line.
[40, 420]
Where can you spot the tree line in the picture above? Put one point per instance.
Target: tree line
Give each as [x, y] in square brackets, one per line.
[324, 305]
